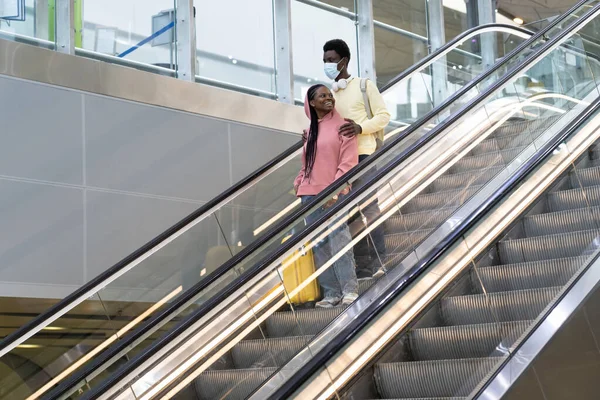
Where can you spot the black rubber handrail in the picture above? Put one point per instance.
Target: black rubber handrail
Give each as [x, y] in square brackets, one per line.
[402, 75]
[360, 320]
[86, 289]
[290, 244]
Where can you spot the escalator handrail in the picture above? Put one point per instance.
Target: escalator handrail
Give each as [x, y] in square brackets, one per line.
[453, 43]
[89, 288]
[360, 320]
[298, 238]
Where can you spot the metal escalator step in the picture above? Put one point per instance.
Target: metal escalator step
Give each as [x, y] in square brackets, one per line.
[431, 379]
[512, 128]
[574, 198]
[403, 242]
[585, 177]
[485, 160]
[537, 125]
[432, 398]
[420, 220]
[230, 384]
[518, 305]
[270, 352]
[364, 284]
[580, 219]
[486, 146]
[434, 201]
[465, 179]
[531, 275]
[520, 140]
[549, 247]
[389, 261]
[464, 341]
[595, 162]
[300, 322]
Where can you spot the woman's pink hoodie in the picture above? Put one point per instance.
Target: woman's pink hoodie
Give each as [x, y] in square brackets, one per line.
[335, 156]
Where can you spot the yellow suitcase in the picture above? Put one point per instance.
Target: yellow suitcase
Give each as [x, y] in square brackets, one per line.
[296, 273]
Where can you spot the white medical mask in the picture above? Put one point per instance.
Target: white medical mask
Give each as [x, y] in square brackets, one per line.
[331, 70]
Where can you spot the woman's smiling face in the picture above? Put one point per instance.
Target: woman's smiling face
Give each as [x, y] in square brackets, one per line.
[323, 100]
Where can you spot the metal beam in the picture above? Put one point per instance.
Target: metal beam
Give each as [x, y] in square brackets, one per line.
[366, 40]
[284, 65]
[185, 31]
[65, 26]
[486, 14]
[437, 38]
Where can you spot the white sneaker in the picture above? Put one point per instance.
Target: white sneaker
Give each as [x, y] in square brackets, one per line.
[328, 302]
[349, 298]
[379, 273]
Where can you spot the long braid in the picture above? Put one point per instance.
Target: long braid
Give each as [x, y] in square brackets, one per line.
[313, 133]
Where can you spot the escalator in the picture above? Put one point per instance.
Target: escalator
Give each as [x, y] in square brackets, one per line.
[484, 332]
[263, 337]
[75, 331]
[287, 332]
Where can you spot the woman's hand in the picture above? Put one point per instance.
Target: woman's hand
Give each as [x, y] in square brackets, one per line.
[335, 198]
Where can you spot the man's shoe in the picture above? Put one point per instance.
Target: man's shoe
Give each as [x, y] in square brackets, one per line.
[328, 302]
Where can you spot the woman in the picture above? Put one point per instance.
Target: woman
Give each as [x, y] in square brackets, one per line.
[327, 156]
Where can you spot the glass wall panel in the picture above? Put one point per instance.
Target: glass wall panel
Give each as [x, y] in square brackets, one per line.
[311, 28]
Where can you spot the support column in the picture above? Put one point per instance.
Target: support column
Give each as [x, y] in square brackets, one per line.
[284, 65]
[65, 26]
[366, 40]
[185, 32]
[437, 38]
[486, 14]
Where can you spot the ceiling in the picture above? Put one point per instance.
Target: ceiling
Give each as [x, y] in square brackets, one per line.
[534, 10]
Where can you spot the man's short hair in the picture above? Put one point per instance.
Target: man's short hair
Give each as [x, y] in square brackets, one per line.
[339, 46]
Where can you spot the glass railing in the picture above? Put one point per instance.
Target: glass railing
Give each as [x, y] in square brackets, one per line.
[150, 281]
[444, 175]
[493, 299]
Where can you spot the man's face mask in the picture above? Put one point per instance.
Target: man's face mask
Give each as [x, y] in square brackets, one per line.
[331, 69]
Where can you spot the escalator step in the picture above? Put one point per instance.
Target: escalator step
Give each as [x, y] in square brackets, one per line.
[431, 379]
[434, 201]
[231, 384]
[389, 261]
[510, 129]
[519, 140]
[585, 177]
[518, 305]
[403, 242]
[464, 341]
[419, 220]
[465, 179]
[485, 160]
[574, 198]
[300, 322]
[580, 219]
[364, 284]
[486, 146]
[572, 244]
[432, 398]
[271, 352]
[531, 275]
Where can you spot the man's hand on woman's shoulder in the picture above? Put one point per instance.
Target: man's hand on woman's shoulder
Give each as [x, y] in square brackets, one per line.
[350, 128]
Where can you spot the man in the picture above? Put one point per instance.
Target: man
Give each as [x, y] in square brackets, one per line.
[350, 104]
